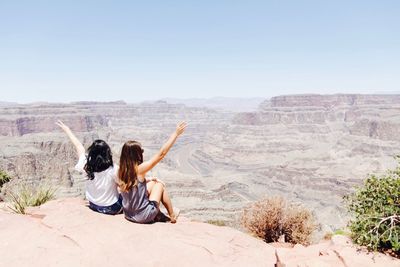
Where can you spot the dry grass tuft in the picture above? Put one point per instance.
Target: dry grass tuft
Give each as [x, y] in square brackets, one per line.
[274, 217]
[29, 196]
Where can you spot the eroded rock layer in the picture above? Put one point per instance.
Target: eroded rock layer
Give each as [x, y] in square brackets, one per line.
[309, 148]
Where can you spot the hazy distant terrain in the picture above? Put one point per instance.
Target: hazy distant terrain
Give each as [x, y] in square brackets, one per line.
[309, 148]
[220, 103]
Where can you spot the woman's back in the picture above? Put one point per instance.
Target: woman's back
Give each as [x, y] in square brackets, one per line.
[102, 189]
[140, 205]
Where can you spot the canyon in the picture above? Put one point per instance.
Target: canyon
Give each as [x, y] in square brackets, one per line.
[311, 149]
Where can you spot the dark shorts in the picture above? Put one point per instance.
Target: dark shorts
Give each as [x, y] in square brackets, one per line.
[148, 215]
[114, 209]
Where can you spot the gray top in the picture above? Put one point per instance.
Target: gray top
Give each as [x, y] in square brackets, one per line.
[137, 206]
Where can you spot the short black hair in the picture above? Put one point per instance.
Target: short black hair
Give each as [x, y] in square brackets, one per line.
[99, 158]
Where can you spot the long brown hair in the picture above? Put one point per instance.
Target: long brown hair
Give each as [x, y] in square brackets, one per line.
[131, 158]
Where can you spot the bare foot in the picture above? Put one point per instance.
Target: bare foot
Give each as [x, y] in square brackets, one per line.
[161, 217]
[174, 216]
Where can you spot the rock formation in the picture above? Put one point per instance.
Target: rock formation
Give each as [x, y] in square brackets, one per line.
[65, 232]
[309, 148]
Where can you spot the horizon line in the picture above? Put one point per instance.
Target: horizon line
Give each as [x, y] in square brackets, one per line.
[166, 99]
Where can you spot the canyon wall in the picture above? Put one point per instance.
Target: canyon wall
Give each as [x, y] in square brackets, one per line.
[309, 148]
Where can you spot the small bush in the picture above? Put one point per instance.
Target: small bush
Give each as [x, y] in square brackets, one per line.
[375, 210]
[26, 196]
[270, 218]
[4, 178]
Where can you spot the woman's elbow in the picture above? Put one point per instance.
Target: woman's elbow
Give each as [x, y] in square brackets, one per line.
[162, 155]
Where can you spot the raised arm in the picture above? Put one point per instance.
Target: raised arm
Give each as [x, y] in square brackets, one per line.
[148, 165]
[78, 145]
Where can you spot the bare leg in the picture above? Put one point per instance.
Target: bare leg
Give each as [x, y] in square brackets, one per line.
[159, 194]
[149, 186]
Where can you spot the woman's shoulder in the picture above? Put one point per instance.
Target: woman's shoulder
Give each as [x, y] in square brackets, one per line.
[115, 169]
[114, 172]
[141, 179]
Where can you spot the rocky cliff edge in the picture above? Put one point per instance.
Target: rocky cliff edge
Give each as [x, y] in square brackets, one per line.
[65, 232]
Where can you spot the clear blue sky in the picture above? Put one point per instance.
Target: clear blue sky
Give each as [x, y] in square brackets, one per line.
[136, 50]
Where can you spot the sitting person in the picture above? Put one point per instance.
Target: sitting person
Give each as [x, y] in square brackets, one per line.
[101, 187]
[141, 200]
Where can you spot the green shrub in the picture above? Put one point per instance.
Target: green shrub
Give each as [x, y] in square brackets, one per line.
[272, 218]
[4, 178]
[375, 210]
[26, 196]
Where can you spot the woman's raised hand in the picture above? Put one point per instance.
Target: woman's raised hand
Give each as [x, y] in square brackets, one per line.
[149, 164]
[78, 145]
[180, 128]
[62, 125]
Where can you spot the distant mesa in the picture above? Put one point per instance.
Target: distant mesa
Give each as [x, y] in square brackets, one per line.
[329, 101]
[88, 103]
[5, 104]
[235, 104]
[38, 124]
[359, 110]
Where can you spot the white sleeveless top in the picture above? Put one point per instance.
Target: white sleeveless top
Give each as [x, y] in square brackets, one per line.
[103, 189]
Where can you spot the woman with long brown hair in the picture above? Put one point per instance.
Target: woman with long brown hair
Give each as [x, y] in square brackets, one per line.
[141, 203]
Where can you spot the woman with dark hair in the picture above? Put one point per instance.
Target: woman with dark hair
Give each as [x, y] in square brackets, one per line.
[141, 198]
[101, 187]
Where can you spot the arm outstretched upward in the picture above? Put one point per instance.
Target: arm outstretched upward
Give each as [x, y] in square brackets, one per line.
[78, 145]
[148, 165]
